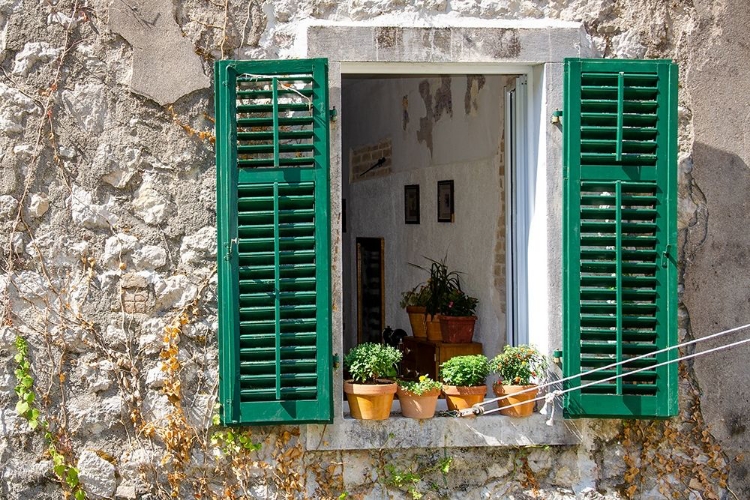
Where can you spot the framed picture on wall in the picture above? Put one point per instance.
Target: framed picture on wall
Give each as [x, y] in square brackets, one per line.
[445, 201]
[411, 204]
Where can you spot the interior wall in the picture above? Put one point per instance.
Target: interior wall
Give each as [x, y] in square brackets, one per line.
[440, 128]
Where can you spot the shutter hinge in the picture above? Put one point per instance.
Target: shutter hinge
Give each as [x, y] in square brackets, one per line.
[335, 361]
[557, 357]
[665, 256]
[333, 114]
[556, 117]
[228, 248]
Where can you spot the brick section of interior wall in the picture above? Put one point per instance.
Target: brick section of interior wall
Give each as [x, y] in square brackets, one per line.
[364, 158]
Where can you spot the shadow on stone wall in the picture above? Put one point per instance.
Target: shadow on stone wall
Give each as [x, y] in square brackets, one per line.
[717, 296]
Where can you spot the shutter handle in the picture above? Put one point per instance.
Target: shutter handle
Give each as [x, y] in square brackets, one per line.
[665, 256]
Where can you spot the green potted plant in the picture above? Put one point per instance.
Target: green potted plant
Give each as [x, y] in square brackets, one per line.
[419, 398]
[441, 283]
[457, 318]
[520, 369]
[464, 380]
[450, 312]
[369, 392]
[415, 303]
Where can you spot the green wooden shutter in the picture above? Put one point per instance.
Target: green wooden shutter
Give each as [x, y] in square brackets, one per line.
[274, 241]
[620, 235]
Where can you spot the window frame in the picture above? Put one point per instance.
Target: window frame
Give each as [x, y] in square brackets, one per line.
[535, 216]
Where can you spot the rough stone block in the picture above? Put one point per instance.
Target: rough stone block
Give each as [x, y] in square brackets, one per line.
[96, 474]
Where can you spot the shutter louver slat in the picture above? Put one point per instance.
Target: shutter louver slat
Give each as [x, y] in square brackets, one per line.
[619, 221]
[279, 233]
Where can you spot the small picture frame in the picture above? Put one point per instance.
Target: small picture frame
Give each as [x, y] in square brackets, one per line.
[445, 201]
[411, 204]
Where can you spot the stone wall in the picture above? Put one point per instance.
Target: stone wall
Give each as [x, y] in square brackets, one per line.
[107, 206]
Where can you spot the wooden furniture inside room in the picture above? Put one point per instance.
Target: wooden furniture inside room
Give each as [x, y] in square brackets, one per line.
[424, 357]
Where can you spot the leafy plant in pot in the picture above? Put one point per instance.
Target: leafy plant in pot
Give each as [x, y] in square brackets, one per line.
[520, 370]
[450, 311]
[464, 380]
[441, 283]
[457, 318]
[418, 399]
[415, 302]
[369, 392]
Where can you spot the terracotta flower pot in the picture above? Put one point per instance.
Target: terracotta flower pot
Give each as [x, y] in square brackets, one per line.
[461, 398]
[434, 330]
[523, 410]
[418, 321]
[457, 329]
[370, 401]
[418, 406]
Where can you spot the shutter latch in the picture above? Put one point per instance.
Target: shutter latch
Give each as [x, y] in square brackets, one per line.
[665, 256]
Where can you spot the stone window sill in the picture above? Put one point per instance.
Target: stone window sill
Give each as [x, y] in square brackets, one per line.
[493, 430]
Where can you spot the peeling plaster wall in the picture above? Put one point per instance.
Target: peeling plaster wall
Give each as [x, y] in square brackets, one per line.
[440, 142]
[107, 208]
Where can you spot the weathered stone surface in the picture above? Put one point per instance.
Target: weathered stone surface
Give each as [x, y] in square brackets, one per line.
[126, 491]
[149, 204]
[114, 147]
[8, 206]
[92, 415]
[96, 474]
[118, 163]
[717, 256]
[150, 257]
[115, 336]
[118, 247]
[97, 374]
[165, 66]
[38, 204]
[197, 248]
[628, 46]
[33, 53]
[10, 423]
[89, 214]
[150, 338]
[174, 292]
[14, 107]
[88, 106]
[156, 376]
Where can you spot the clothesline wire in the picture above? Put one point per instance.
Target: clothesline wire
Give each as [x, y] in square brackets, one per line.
[478, 409]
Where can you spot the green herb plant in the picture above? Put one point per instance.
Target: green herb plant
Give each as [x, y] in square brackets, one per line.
[519, 365]
[369, 362]
[417, 296]
[423, 385]
[465, 371]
